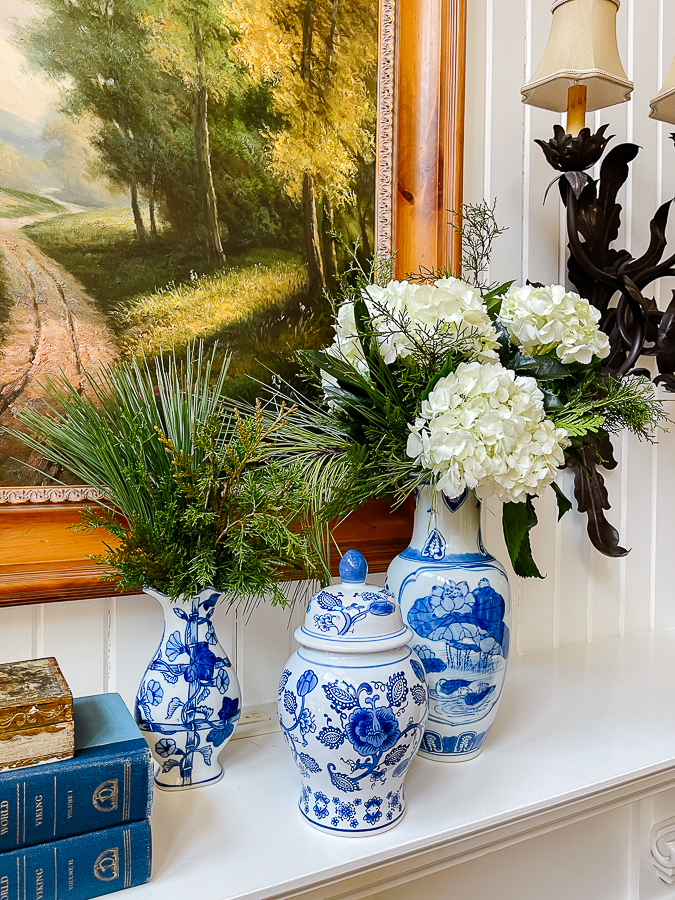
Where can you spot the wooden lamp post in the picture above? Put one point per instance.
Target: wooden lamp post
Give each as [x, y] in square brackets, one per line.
[581, 68]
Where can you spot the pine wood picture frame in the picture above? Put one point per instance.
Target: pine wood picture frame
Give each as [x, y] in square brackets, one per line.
[420, 135]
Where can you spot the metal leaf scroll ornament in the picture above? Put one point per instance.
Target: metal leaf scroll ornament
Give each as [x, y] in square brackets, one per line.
[592, 498]
[614, 281]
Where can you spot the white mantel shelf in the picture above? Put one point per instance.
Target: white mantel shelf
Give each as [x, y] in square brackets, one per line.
[581, 731]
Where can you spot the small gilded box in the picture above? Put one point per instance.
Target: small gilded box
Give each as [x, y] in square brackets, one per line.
[36, 714]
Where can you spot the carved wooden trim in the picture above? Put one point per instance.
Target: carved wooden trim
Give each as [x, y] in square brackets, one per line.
[662, 846]
[384, 175]
[48, 495]
[419, 177]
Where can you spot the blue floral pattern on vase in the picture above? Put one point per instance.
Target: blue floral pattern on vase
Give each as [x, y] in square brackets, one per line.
[188, 702]
[458, 607]
[434, 548]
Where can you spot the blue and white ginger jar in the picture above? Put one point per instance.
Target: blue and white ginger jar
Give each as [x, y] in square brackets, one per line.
[455, 597]
[189, 702]
[352, 706]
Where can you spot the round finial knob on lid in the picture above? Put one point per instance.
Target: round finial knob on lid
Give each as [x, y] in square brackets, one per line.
[353, 568]
[353, 616]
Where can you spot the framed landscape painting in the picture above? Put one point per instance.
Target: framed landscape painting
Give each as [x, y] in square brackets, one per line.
[172, 169]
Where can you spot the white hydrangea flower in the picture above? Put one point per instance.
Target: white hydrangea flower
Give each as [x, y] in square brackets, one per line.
[539, 320]
[347, 345]
[485, 428]
[387, 306]
[449, 306]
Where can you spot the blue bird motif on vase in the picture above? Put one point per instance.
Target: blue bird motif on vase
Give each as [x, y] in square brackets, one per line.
[458, 607]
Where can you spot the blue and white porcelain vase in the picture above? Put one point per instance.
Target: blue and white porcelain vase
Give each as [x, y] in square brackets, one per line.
[189, 702]
[456, 599]
[352, 706]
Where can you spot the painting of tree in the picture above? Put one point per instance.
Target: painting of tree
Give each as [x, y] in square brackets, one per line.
[172, 169]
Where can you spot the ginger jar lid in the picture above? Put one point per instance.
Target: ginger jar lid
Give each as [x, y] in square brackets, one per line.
[353, 616]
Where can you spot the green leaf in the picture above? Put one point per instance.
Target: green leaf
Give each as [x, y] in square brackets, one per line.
[493, 299]
[363, 325]
[552, 401]
[518, 519]
[506, 347]
[564, 505]
[449, 366]
[338, 368]
[380, 372]
[545, 368]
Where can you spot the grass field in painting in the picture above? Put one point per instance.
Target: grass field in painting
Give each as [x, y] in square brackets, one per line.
[99, 248]
[163, 295]
[17, 204]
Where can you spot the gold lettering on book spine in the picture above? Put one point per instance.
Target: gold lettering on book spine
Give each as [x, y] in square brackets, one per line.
[107, 865]
[106, 796]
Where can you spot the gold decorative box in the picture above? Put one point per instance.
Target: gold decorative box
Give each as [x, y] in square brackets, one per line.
[36, 714]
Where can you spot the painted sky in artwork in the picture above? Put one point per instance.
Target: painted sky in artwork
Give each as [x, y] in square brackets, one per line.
[23, 93]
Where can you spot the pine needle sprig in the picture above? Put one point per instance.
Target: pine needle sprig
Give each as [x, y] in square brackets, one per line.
[192, 495]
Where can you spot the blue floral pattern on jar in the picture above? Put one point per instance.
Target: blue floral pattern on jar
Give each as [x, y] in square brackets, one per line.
[353, 741]
[340, 616]
[353, 703]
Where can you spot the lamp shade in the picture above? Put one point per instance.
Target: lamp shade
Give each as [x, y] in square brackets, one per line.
[663, 105]
[582, 49]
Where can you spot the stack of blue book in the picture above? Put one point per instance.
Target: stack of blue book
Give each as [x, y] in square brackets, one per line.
[80, 828]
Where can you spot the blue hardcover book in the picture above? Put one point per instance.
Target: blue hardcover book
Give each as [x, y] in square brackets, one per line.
[80, 867]
[107, 782]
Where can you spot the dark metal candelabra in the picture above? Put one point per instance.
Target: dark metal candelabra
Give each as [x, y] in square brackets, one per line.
[614, 281]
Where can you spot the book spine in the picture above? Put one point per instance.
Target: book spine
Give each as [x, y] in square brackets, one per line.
[77, 868]
[97, 789]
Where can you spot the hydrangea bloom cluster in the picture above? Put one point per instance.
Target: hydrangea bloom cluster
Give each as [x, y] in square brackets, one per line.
[539, 320]
[448, 307]
[347, 344]
[485, 428]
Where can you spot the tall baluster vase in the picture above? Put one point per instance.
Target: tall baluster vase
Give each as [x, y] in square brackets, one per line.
[455, 597]
[188, 703]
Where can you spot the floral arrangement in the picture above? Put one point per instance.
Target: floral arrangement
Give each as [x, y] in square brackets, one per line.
[442, 381]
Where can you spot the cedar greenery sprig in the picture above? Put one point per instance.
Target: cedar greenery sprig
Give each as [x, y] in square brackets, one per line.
[611, 404]
[193, 495]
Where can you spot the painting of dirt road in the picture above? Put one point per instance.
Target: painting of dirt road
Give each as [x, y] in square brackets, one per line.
[172, 169]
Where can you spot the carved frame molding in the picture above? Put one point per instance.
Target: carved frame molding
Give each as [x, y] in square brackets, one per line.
[386, 94]
[20, 495]
[43, 559]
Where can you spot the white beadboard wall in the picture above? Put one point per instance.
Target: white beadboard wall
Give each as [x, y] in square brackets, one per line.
[104, 645]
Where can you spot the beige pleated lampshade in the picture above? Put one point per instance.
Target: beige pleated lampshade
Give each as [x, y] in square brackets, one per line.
[582, 49]
[663, 105]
